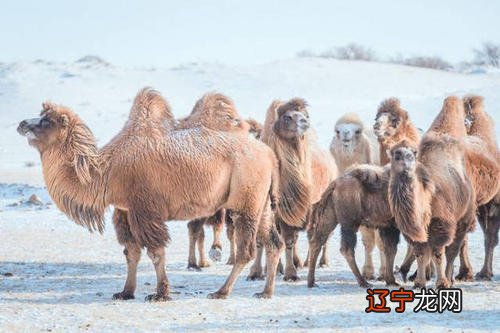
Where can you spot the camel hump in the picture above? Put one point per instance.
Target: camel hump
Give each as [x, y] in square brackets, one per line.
[473, 102]
[149, 104]
[215, 104]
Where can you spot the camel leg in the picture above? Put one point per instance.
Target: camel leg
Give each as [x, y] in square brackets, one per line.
[490, 226]
[389, 237]
[215, 252]
[202, 262]
[132, 253]
[438, 256]
[270, 237]
[245, 236]
[195, 228]
[297, 262]
[368, 239]
[380, 245]
[317, 239]
[422, 254]
[230, 237]
[323, 261]
[157, 256]
[290, 237]
[407, 262]
[256, 269]
[465, 270]
[347, 245]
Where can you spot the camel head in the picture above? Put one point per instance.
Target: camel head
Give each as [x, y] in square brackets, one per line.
[48, 130]
[473, 106]
[293, 119]
[348, 130]
[390, 118]
[60, 130]
[403, 157]
[255, 128]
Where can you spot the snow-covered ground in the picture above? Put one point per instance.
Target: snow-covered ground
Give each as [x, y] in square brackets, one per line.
[62, 277]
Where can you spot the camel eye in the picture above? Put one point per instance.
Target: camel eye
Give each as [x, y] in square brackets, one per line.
[44, 122]
[337, 131]
[395, 122]
[358, 132]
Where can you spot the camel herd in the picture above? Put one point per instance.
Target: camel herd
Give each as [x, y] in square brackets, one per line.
[267, 183]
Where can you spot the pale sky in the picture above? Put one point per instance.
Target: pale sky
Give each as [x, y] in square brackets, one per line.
[167, 33]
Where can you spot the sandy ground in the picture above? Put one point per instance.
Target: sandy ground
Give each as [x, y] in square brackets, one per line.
[63, 277]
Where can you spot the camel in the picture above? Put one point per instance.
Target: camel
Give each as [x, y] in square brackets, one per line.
[305, 172]
[152, 172]
[483, 165]
[393, 125]
[432, 201]
[357, 197]
[435, 223]
[354, 144]
[217, 112]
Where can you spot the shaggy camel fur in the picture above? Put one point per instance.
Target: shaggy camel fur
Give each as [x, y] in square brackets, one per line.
[483, 165]
[358, 197]
[433, 209]
[393, 125]
[432, 198]
[152, 172]
[217, 112]
[354, 144]
[305, 172]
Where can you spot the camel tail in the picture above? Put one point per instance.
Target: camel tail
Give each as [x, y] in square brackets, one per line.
[319, 209]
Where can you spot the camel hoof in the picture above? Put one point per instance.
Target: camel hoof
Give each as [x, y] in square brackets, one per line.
[365, 285]
[323, 265]
[392, 284]
[255, 276]
[217, 295]
[443, 284]
[368, 275]
[312, 285]
[157, 298]
[484, 276]
[123, 296]
[215, 254]
[230, 261]
[262, 295]
[291, 278]
[380, 278]
[194, 267]
[419, 286]
[465, 276]
[203, 264]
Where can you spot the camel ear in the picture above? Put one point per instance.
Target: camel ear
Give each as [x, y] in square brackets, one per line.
[64, 120]
[82, 169]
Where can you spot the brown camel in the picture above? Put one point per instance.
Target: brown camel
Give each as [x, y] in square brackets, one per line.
[443, 155]
[358, 197]
[432, 201]
[483, 167]
[355, 144]
[217, 112]
[393, 125]
[152, 172]
[305, 172]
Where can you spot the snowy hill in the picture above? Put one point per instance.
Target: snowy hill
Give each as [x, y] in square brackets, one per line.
[60, 271]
